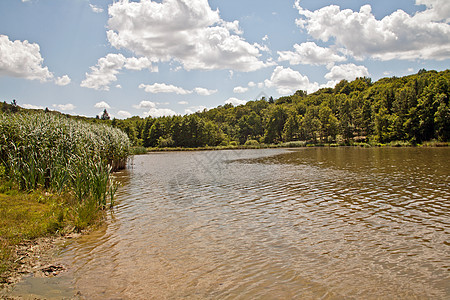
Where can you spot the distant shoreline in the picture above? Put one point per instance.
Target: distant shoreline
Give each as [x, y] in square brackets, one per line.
[396, 144]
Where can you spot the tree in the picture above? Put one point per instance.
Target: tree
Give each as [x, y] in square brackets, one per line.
[14, 106]
[291, 128]
[105, 115]
[442, 121]
[275, 125]
[311, 123]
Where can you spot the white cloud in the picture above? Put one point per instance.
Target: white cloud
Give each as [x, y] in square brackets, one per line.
[159, 112]
[425, 35]
[235, 101]
[204, 92]
[31, 106]
[437, 10]
[153, 110]
[265, 38]
[118, 86]
[169, 88]
[22, 59]
[140, 63]
[194, 109]
[188, 32]
[240, 90]
[123, 114]
[65, 107]
[145, 104]
[64, 80]
[96, 9]
[102, 104]
[104, 73]
[287, 81]
[311, 54]
[347, 71]
[251, 84]
[163, 88]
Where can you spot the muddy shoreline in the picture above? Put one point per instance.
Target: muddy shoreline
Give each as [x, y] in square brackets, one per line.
[36, 258]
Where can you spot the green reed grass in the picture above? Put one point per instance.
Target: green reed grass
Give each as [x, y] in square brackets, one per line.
[47, 151]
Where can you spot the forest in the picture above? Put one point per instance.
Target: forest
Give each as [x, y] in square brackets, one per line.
[413, 109]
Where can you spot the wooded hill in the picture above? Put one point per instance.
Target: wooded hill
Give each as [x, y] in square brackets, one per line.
[413, 108]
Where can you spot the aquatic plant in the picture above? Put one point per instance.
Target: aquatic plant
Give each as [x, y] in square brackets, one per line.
[49, 151]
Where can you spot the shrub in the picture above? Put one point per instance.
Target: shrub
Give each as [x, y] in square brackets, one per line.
[251, 143]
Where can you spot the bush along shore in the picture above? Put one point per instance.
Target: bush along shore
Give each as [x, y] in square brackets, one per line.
[55, 177]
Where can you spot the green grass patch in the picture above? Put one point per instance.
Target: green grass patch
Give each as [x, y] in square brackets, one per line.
[27, 216]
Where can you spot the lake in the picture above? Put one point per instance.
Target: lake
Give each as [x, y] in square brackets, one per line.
[307, 223]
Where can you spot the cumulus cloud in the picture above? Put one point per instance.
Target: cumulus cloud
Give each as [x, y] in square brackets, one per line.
[194, 109]
[310, 54]
[437, 10]
[251, 84]
[204, 92]
[145, 105]
[96, 9]
[159, 112]
[347, 71]
[31, 106]
[134, 63]
[102, 104]
[183, 102]
[153, 110]
[104, 73]
[163, 88]
[22, 59]
[287, 81]
[235, 101]
[64, 80]
[64, 107]
[240, 90]
[189, 32]
[425, 35]
[169, 88]
[124, 114]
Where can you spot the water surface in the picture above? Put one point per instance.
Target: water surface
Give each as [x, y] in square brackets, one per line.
[313, 223]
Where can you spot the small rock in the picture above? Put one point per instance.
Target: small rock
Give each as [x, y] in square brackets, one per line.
[52, 270]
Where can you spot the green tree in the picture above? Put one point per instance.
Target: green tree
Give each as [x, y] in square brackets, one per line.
[105, 115]
[274, 129]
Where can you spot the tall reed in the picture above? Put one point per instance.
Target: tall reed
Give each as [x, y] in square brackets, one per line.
[49, 151]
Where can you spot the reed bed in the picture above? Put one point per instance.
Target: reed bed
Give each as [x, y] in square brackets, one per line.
[54, 152]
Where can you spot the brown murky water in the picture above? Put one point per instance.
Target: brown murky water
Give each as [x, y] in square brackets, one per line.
[319, 223]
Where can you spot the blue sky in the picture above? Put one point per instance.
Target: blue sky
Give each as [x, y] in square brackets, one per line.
[153, 58]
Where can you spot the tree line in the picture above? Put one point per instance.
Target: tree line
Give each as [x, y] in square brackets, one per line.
[413, 108]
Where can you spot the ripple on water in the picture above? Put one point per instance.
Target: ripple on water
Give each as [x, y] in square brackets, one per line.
[312, 223]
